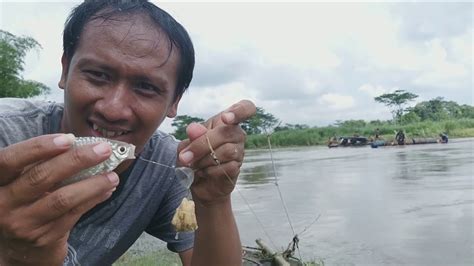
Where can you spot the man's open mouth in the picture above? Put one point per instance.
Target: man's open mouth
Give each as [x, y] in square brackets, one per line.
[108, 133]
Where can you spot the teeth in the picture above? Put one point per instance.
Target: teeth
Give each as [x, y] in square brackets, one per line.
[106, 133]
[110, 134]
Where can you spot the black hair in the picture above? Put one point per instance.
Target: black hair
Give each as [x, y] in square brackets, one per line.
[178, 36]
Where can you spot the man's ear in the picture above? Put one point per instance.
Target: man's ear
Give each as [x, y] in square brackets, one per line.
[65, 68]
[174, 108]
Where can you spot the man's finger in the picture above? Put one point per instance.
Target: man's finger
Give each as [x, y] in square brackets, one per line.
[195, 130]
[14, 158]
[238, 112]
[42, 177]
[211, 140]
[61, 226]
[71, 197]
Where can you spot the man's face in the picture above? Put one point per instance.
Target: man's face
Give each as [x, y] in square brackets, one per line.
[121, 81]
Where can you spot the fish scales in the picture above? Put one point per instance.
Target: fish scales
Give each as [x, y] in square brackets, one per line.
[121, 151]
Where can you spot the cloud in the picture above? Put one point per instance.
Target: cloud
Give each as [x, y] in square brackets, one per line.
[336, 101]
[215, 67]
[306, 63]
[203, 101]
[426, 21]
[372, 90]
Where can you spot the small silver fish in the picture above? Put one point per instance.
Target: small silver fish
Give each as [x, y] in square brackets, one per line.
[121, 151]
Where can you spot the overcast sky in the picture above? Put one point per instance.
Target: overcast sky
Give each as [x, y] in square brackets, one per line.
[306, 63]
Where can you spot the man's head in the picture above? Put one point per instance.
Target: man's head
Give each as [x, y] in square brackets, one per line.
[124, 68]
[108, 9]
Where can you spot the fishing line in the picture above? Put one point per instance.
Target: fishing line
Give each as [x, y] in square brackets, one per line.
[214, 157]
[279, 191]
[153, 162]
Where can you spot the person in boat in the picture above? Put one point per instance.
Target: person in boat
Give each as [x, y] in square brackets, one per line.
[444, 137]
[400, 137]
[125, 67]
[333, 141]
[377, 133]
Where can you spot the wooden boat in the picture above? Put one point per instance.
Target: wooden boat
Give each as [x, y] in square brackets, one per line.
[412, 141]
[348, 142]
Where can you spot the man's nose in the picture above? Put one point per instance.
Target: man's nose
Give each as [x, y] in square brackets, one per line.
[116, 103]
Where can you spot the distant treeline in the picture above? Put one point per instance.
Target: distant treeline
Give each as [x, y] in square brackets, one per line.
[455, 128]
[426, 119]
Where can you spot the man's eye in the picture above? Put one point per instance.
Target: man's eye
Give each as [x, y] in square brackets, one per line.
[148, 88]
[97, 75]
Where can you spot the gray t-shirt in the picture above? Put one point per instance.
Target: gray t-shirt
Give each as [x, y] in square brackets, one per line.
[145, 200]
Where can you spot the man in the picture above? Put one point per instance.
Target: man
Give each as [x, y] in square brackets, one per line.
[400, 137]
[444, 137]
[377, 133]
[125, 67]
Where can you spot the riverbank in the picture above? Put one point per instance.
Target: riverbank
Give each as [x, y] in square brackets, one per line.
[460, 128]
[164, 257]
[159, 257]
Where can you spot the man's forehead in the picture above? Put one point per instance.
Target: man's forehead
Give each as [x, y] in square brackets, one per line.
[127, 25]
[136, 32]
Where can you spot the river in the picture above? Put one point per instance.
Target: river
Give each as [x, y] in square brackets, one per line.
[407, 205]
[410, 205]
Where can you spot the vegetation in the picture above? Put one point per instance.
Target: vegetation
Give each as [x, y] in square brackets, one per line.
[396, 101]
[262, 122]
[426, 119]
[180, 122]
[161, 257]
[319, 136]
[12, 52]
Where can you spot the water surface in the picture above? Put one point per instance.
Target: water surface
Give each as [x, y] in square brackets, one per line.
[409, 205]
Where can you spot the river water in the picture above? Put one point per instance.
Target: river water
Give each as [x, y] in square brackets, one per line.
[407, 205]
[410, 205]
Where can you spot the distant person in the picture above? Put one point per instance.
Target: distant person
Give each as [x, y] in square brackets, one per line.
[377, 133]
[400, 137]
[333, 142]
[444, 137]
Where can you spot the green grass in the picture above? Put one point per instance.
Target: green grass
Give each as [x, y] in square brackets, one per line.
[164, 257]
[460, 128]
[161, 257]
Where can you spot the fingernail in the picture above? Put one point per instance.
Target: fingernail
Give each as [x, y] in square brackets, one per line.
[229, 117]
[107, 195]
[64, 140]
[186, 156]
[113, 177]
[101, 148]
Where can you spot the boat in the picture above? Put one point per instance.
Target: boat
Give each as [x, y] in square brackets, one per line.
[412, 141]
[355, 141]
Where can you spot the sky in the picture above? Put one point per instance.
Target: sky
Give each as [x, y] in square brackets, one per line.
[311, 63]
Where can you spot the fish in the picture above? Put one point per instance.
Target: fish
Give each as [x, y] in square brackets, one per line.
[121, 151]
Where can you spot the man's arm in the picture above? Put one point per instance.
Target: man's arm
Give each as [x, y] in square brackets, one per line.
[215, 150]
[186, 257]
[217, 240]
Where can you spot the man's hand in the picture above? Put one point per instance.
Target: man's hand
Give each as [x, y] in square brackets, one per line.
[215, 150]
[36, 218]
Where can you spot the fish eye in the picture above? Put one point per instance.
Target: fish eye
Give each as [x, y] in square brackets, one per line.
[122, 149]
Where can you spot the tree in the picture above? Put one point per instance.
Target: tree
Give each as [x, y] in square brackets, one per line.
[291, 127]
[12, 52]
[396, 101]
[261, 122]
[438, 109]
[181, 122]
